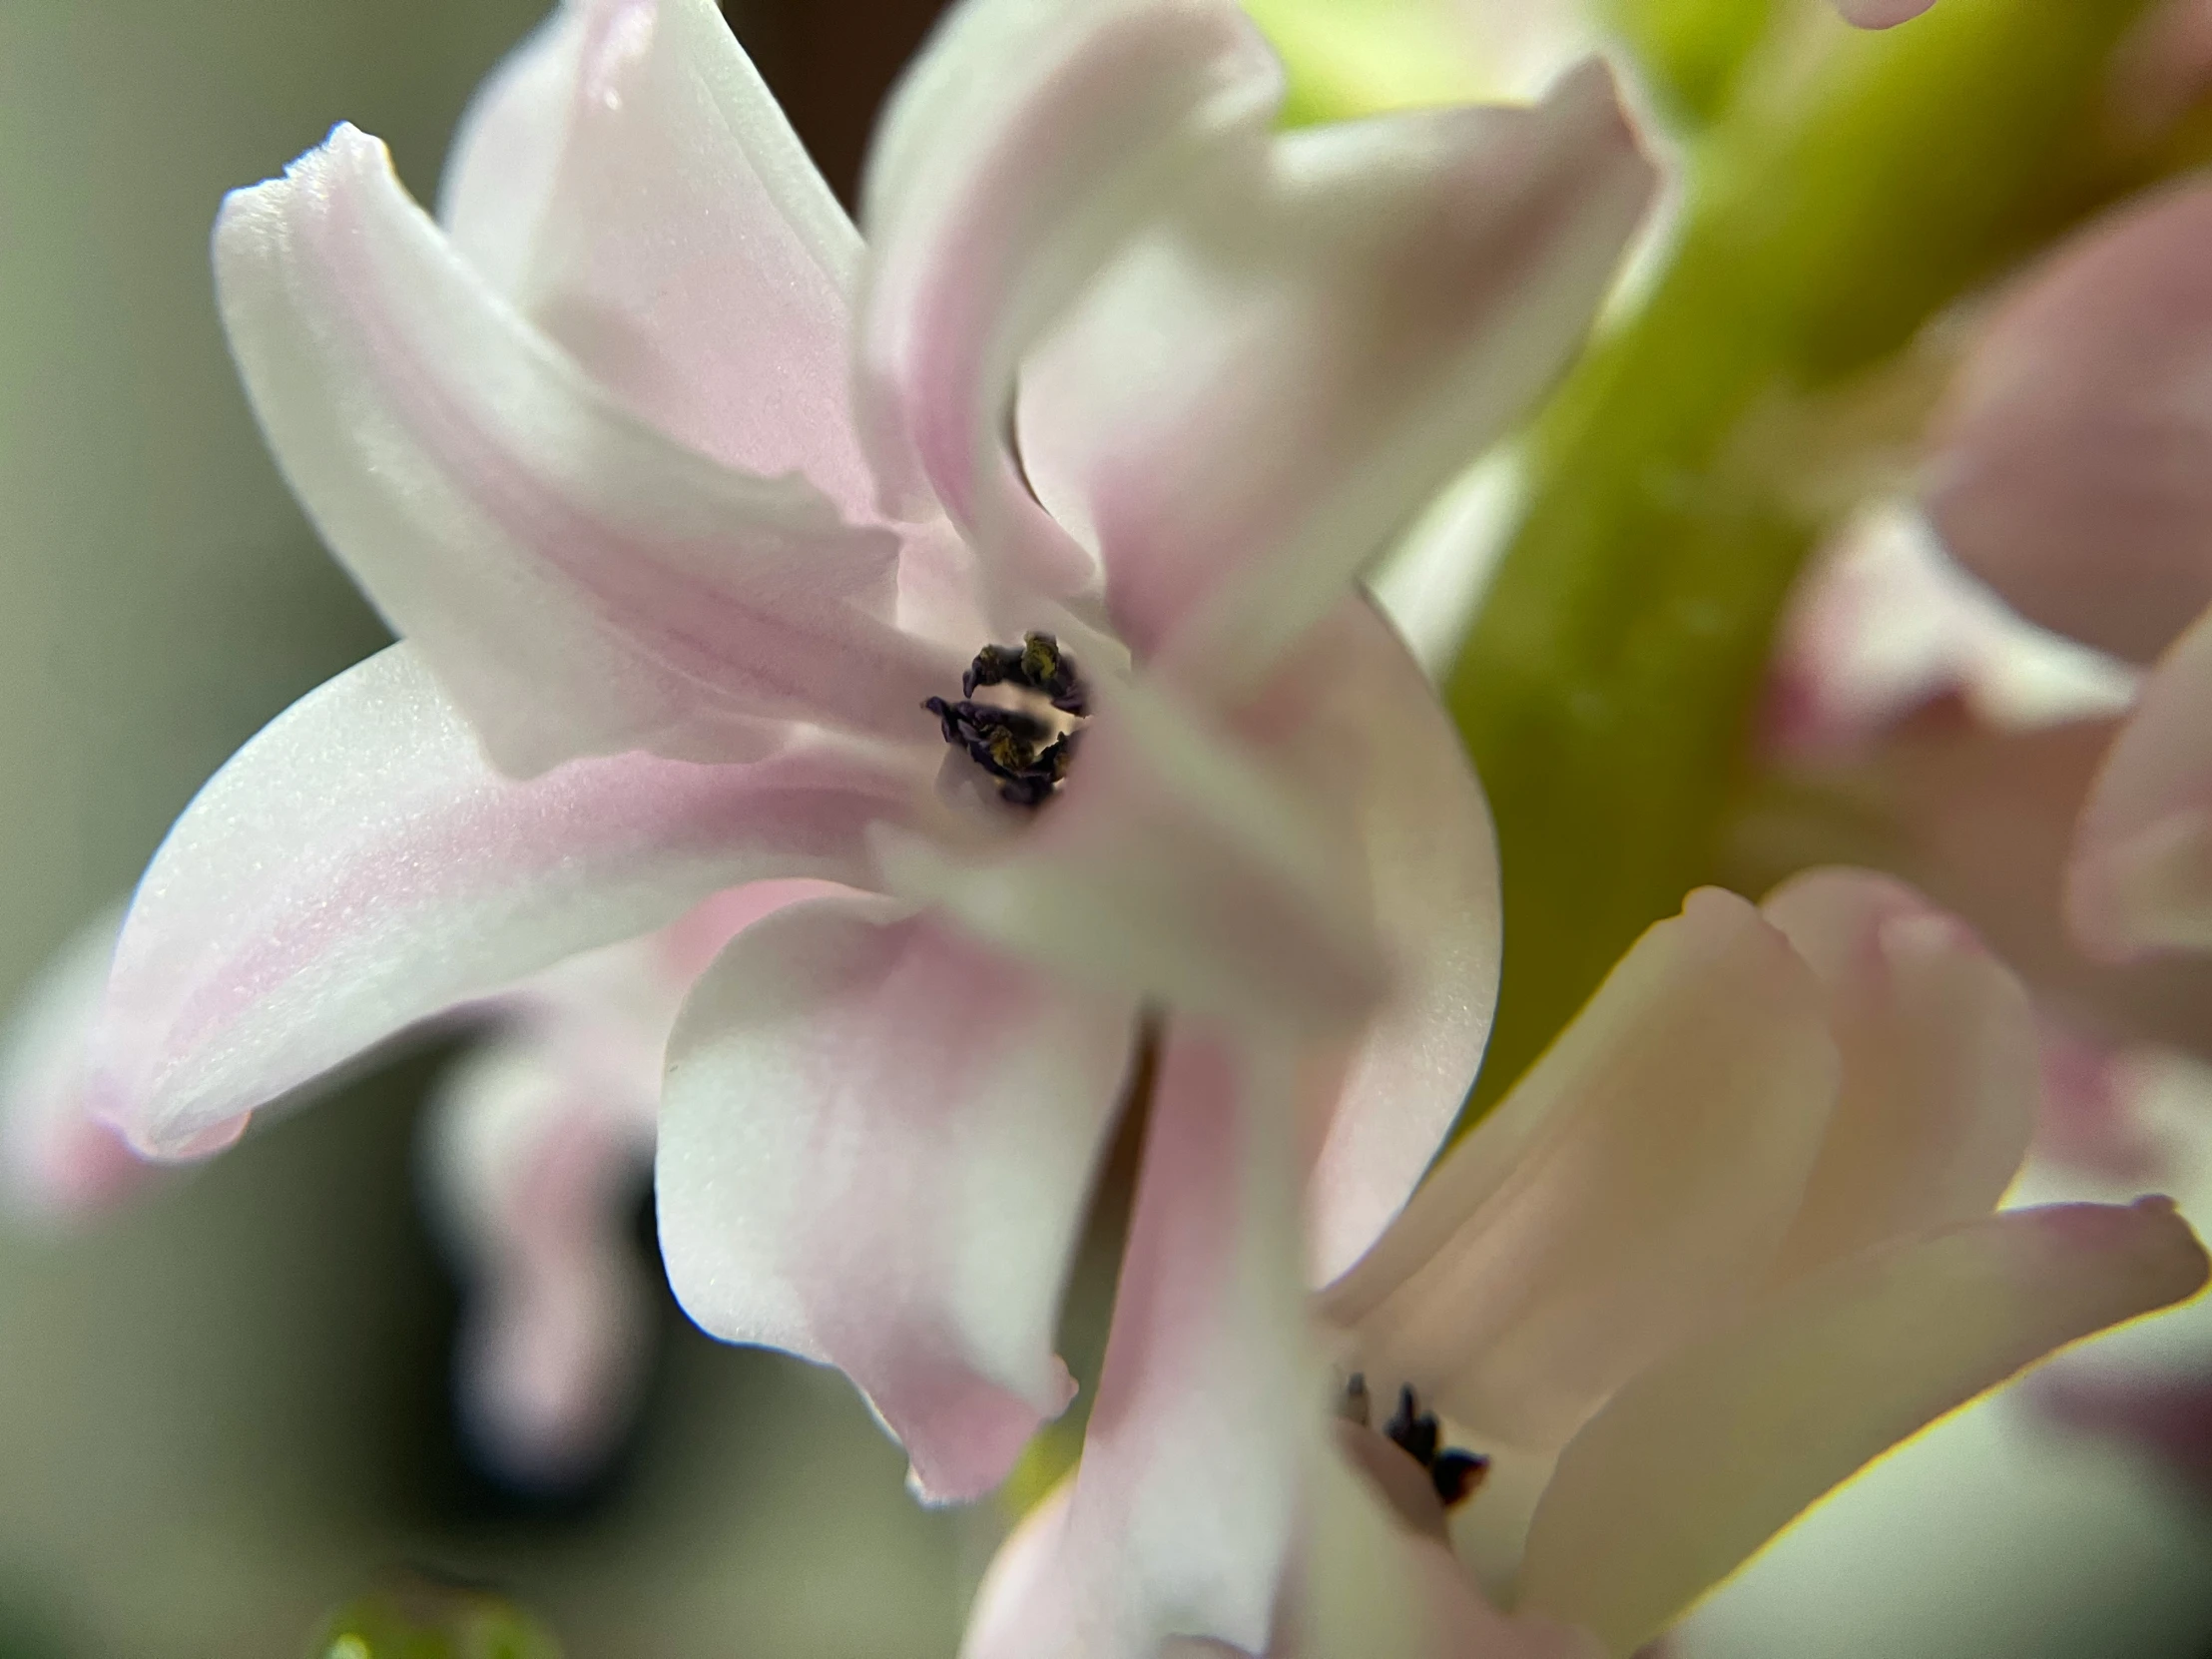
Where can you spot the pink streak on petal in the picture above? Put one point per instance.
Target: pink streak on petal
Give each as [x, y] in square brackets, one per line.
[877, 1140]
[358, 868]
[57, 1162]
[1265, 389]
[582, 583]
[1020, 150]
[682, 246]
[2068, 469]
[1182, 1519]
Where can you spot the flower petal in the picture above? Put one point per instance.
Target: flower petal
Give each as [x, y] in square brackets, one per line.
[683, 247]
[1356, 719]
[1022, 148]
[358, 868]
[537, 1153]
[1272, 383]
[1183, 1510]
[1173, 866]
[877, 1139]
[1634, 1186]
[1696, 1464]
[1881, 14]
[2069, 468]
[2140, 878]
[579, 583]
[499, 173]
[1940, 1081]
[57, 1161]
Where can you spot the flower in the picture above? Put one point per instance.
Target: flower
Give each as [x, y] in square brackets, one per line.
[672, 604]
[1727, 1242]
[533, 1149]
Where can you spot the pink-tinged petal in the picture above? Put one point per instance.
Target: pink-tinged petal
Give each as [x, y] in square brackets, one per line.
[2166, 1419]
[2141, 876]
[876, 1138]
[580, 582]
[1940, 1081]
[1024, 145]
[1183, 1514]
[2069, 469]
[1697, 1463]
[501, 172]
[1881, 14]
[1982, 821]
[682, 246]
[1372, 1587]
[57, 1161]
[1633, 1186]
[538, 1150]
[1353, 716]
[1276, 379]
[358, 867]
[1173, 866]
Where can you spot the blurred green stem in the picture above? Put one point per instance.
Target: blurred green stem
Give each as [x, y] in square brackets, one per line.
[1853, 185]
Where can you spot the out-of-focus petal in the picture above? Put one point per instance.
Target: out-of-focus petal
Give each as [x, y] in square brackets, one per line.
[1881, 14]
[537, 1151]
[1634, 1186]
[1982, 821]
[1696, 1464]
[1026, 143]
[580, 582]
[2069, 470]
[57, 1160]
[681, 245]
[1174, 867]
[1940, 1081]
[2142, 875]
[358, 867]
[1272, 383]
[1183, 1511]
[1353, 716]
[876, 1141]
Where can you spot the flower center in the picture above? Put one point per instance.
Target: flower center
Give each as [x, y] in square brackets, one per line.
[1454, 1473]
[1025, 737]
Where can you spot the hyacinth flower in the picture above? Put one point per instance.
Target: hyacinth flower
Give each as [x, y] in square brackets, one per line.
[533, 1151]
[1727, 1242]
[721, 553]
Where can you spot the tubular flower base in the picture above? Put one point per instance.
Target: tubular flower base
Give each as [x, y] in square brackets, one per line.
[1726, 1243]
[693, 510]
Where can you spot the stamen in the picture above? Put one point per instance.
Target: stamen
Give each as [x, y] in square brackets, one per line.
[1457, 1474]
[1029, 755]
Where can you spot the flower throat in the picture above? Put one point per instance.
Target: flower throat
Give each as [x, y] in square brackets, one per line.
[1019, 743]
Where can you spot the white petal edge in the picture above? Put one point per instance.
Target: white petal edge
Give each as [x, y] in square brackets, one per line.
[359, 866]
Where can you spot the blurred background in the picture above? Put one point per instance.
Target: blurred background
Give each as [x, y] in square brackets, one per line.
[225, 1410]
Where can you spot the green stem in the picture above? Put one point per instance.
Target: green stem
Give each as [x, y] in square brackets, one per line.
[1854, 185]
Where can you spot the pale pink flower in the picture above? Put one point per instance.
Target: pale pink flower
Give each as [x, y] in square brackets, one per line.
[672, 602]
[2072, 473]
[1881, 14]
[534, 1151]
[1726, 1243]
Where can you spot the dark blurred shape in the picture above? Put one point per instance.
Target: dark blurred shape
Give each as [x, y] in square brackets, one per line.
[419, 1617]
[830, 63]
